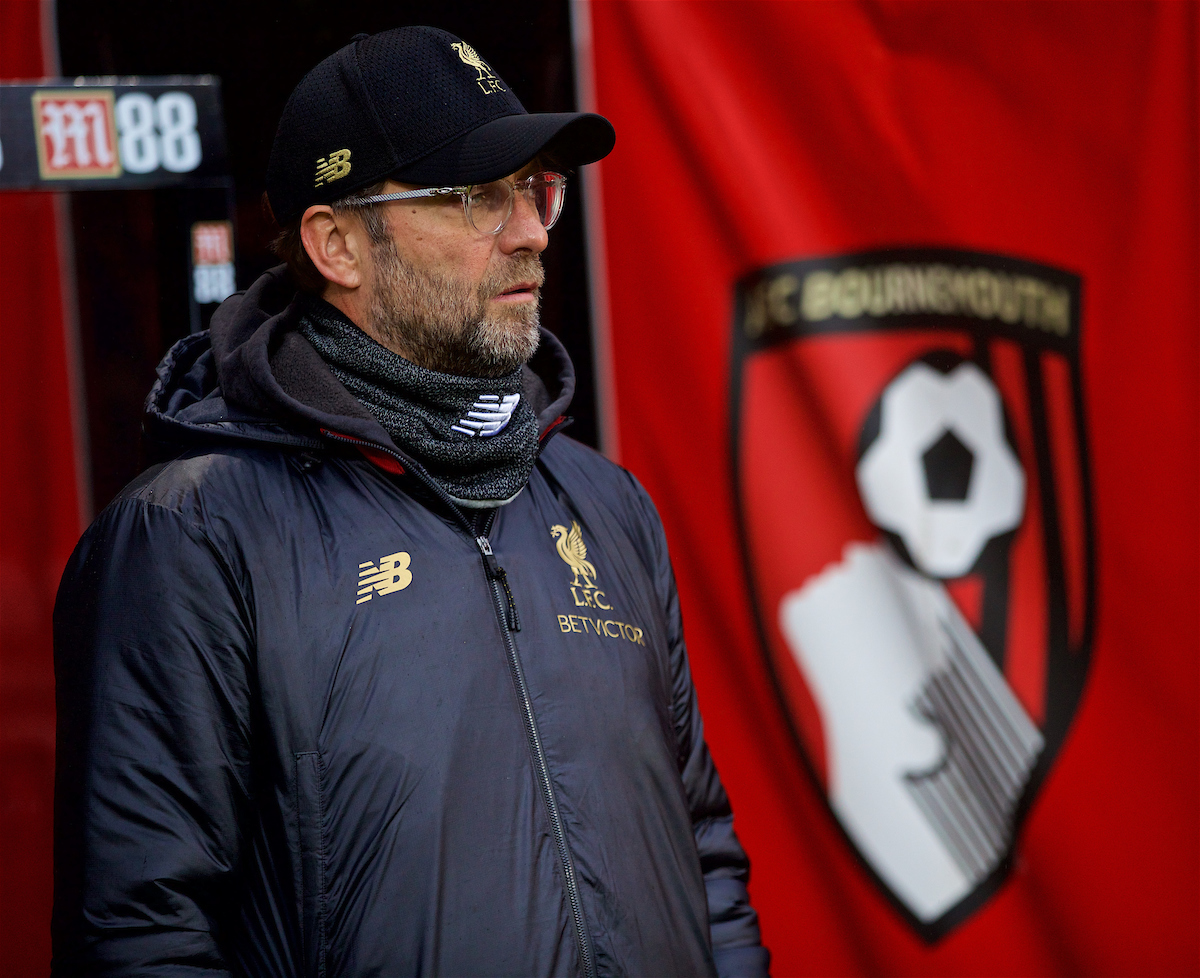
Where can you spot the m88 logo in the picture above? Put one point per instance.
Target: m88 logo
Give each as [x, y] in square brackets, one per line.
[85, 133]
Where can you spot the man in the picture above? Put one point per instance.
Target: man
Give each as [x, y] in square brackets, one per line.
[377, 673]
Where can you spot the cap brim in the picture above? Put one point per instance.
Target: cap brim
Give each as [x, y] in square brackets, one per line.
[504, 145]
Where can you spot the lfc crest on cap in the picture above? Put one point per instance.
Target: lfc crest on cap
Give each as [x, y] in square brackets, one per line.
[915, 514]
[488, 82]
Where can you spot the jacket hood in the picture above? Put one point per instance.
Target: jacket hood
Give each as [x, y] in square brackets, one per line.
[253, 377]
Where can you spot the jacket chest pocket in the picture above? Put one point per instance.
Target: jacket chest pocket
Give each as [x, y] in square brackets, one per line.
[310, 869]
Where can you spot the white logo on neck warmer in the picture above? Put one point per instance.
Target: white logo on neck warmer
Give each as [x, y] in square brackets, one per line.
[488, 415]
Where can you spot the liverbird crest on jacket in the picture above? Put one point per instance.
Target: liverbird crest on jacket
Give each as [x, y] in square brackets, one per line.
[573, 550]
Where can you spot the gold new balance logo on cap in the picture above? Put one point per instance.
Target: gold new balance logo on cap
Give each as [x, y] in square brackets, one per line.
[392, 574]
[334, 168]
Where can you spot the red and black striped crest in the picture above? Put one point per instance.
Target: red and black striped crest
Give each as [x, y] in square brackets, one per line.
[912, 485]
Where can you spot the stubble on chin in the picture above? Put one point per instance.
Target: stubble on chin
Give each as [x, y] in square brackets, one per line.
[444, 324]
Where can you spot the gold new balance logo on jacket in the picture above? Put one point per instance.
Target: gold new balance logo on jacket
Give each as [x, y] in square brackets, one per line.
[391, 574]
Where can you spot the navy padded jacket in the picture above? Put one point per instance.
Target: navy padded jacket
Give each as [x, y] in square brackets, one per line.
[308, 726]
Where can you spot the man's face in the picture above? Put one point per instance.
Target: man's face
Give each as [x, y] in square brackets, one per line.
[448, 297]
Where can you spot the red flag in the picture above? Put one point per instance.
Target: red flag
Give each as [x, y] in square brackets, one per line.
[41, 513]
[902, 315]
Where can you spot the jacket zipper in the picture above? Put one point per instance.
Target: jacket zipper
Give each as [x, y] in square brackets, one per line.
[506, 612]
[498, 575]
[535, 743]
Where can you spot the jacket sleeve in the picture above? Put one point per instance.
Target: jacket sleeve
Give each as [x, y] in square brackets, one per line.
[737, 944]
[152, 663]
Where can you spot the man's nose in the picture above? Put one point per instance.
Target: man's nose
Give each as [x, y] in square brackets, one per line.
[524, 230]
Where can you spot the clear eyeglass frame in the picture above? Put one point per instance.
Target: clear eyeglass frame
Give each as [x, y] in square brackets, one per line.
[488, 206]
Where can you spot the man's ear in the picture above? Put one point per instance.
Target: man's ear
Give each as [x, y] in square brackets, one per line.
[335, 244]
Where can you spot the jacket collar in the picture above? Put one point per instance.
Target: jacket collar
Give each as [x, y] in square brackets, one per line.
[255, 369]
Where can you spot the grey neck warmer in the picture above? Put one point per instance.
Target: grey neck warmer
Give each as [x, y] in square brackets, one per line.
[477, 437]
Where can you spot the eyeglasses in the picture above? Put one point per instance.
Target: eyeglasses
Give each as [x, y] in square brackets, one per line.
[488, 206]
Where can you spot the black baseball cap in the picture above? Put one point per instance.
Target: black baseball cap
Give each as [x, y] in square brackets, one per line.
[418, 105]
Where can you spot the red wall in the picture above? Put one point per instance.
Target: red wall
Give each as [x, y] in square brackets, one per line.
[40, 521]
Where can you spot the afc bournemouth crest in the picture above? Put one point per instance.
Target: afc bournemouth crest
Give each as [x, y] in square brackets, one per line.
[914, 506]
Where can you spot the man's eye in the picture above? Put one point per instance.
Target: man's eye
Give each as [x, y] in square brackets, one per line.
[489, 195]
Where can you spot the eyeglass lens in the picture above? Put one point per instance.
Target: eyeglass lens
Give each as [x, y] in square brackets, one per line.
[490, 205]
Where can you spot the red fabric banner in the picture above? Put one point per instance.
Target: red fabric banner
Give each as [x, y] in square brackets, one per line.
[902, 304]
[41, 517]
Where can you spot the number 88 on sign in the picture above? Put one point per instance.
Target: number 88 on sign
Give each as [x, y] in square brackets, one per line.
[85, 133]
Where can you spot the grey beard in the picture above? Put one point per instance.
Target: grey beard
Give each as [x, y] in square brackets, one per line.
[442, 324]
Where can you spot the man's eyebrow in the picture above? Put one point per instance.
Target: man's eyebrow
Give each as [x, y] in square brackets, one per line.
[538, 164]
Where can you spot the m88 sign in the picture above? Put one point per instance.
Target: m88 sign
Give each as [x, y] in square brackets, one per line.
[75, 134]
[144, 133]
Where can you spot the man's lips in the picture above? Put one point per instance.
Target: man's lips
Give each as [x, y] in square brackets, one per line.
[521, 292]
